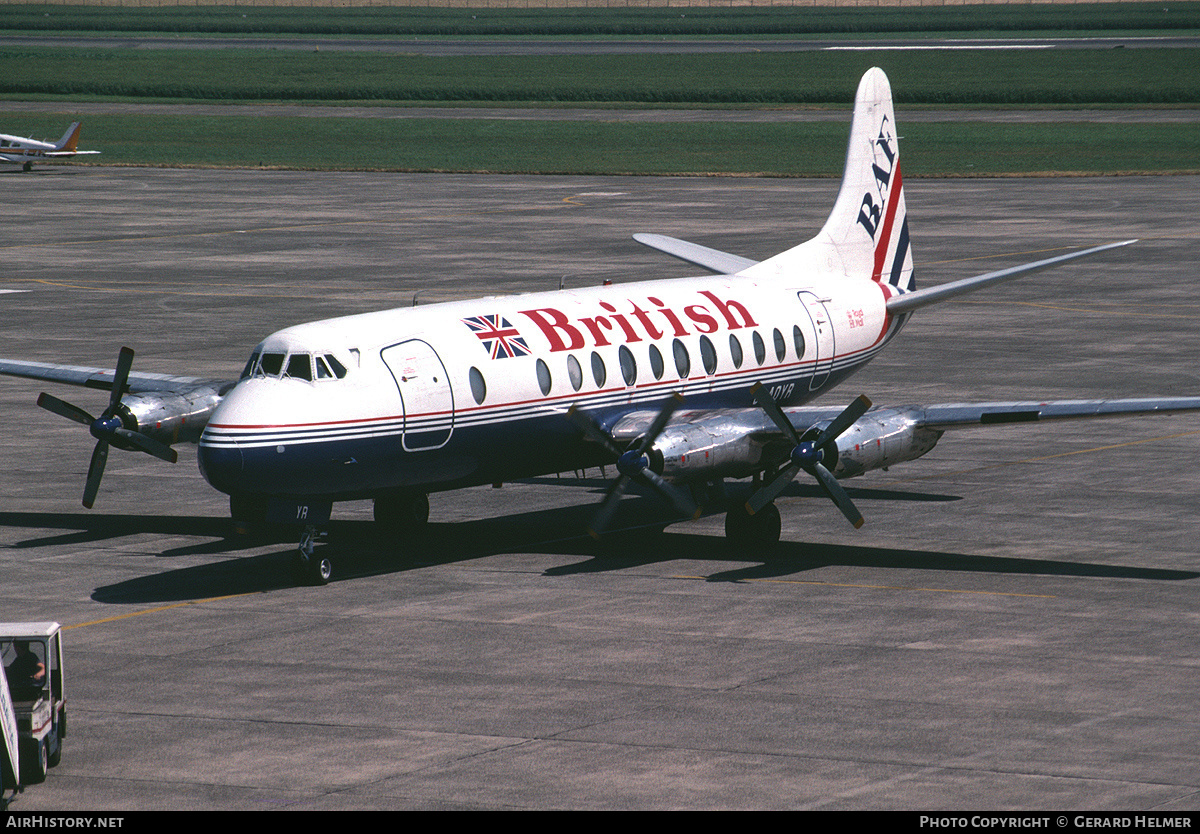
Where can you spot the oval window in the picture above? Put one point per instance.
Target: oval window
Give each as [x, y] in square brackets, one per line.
[543, 375]
[628, 365]
[708, 355]
[798, 338]
[574, 372]
[478, 386]
[598, 370]
[780, 346]
[760, 349]
[683, 362]
[657, 366]
[735, 350]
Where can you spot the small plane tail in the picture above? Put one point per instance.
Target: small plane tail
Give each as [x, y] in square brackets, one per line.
[866, 234]
[70, 139]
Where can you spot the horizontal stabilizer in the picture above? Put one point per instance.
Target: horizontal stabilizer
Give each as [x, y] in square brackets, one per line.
[910, 301]
[720, 262]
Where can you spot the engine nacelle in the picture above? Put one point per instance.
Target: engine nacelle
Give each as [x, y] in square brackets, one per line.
[744, 443]
[169, 418]
[880, 439]
[714, 447]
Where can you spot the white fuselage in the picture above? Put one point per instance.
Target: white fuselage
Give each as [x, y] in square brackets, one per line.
[472, 392]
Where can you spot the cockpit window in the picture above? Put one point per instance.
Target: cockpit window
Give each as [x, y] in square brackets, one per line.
[249, 369]
[300, 366]
[271, 364]
[339, 370]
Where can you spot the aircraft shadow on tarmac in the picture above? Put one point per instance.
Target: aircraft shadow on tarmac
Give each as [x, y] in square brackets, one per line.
[643, 538]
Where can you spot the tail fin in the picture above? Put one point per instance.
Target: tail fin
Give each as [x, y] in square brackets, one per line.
[866, 234]
[70, 139]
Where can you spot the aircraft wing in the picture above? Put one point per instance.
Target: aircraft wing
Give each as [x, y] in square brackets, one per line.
[67, 153]
[101, 378]
[723, 263]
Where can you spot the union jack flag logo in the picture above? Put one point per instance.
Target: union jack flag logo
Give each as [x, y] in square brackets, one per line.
[499, 337]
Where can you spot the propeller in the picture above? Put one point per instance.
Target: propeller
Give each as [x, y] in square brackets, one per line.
[633, 464]
[107, 428]
[808, 455]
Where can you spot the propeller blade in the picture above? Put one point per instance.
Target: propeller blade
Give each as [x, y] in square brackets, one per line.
[95, 473]
[660, 422]
[592, 430]
[771, 491]
[839, 496]
[759, 392]
[844, 420]
[148, 445]
[681, 502]
[608, 506]
[64, 409]
[120, 380]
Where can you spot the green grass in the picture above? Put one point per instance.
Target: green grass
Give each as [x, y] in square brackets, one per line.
[790, 149]
[967, 77]
[691, 21]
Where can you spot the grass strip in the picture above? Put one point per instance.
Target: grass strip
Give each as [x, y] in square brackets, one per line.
[532, 147]
[961, 77]
[666, 21]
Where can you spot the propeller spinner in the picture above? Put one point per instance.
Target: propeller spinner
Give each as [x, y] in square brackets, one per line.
[809, 455]
[633, 464]
[108, 428]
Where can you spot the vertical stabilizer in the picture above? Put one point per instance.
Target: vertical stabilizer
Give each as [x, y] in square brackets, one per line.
[866, 235]
[70, 139]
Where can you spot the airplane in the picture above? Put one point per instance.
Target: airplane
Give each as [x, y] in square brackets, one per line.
[682, 383]
[22, 151]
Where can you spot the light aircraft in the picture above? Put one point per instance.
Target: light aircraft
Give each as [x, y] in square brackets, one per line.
[681, 383]
[22, 151]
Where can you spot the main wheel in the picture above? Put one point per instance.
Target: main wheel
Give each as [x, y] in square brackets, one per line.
[401, 513]
[762, 528]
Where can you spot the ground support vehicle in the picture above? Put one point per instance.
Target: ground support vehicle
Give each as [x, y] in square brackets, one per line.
[33, 667]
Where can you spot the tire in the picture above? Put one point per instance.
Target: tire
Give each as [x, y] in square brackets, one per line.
[34, 763]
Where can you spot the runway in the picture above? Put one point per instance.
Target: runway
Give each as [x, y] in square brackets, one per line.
[1015, 627]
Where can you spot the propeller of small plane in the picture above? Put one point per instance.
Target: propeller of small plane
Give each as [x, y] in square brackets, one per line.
[107, 428]
[633, 464]
[808, 455]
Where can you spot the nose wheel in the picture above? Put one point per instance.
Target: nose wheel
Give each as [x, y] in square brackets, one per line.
[312, 569]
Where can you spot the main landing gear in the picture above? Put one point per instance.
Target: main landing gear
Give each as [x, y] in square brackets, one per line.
[312, 569]
[743, 529]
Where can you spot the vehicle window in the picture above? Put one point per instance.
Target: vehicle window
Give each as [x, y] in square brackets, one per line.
[760, 349]
[543, 376]
[598, 370]
[656, 362]
[574, 372]
[339, 370]
[683, 362]
[735, 350]
[780, 346]
[478, 386]
[708, 355]
[798, 338]
[628, 365]
[323, 371]
[271, 364]
[249, 369]
[299, 366]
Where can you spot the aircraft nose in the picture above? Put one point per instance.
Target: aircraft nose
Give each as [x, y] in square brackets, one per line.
[220, 462]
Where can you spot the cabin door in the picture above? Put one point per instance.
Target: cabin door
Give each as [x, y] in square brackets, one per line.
[822, 349]
[425, 395]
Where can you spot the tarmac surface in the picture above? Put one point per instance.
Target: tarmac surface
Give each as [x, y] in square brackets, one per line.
[1016, 626]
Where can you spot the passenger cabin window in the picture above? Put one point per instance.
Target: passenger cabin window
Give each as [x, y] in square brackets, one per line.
[735, 350]
[683, 362]
[478, 386]
[598, 370]
[760, 349]
[628, 365]
[574, 372]
[657, 366]
[543, 376]
[780, 346]
[798, 337]
[708, 355]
